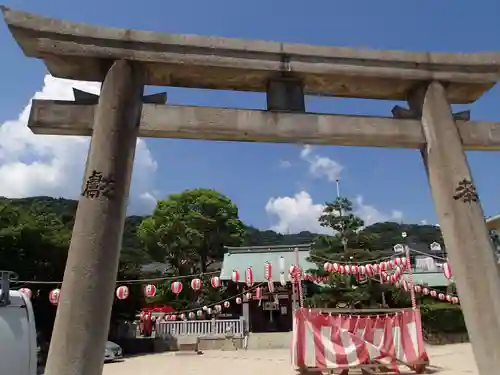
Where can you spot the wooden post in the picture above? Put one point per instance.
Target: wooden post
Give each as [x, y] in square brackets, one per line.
[463, 225]
[82, 320]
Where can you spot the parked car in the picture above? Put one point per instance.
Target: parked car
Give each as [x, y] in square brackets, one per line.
[112, 352]
[18, 347]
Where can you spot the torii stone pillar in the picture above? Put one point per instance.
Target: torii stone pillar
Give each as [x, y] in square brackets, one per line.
[462, 222]
[82, 320]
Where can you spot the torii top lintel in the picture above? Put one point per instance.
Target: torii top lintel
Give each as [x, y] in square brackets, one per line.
[77, 51]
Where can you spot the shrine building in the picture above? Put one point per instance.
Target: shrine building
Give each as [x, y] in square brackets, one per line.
[272, 313]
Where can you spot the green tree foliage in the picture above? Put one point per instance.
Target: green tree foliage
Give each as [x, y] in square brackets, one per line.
[338, 216]
[189, 231]
[34, 239]
[350, 243]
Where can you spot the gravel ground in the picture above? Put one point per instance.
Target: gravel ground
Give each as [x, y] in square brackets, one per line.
[448, 360]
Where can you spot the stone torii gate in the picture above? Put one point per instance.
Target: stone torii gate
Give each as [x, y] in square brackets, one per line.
[126, 60]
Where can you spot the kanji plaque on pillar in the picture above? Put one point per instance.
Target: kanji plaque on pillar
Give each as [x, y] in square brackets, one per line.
[466, 191]
[98, 185]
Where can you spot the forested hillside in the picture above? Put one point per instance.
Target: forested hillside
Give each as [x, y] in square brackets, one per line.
[57, 216]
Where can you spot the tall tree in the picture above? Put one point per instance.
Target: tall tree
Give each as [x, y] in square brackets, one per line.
[349, 244]
[338, 215]
[189, 230]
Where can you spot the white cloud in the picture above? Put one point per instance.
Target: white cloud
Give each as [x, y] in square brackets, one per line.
[285, 164]
[370, 214]
[321, 166]
[423, 222]
[295, 214]
[53, 165]
[300, 213]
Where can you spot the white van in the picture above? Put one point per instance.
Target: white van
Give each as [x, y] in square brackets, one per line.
[18, 347]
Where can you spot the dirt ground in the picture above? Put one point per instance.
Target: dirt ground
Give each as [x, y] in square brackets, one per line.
[445, 360]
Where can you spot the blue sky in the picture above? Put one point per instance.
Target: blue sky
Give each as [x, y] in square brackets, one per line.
[383, 180]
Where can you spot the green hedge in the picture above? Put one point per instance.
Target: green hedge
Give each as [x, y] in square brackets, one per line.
[442, 318]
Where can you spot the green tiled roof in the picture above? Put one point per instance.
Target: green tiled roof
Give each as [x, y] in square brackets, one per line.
[255, 257]
[432, 279]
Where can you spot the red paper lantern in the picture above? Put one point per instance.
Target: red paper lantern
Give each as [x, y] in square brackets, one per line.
[425, 291]
[270, 286]
[195, 284]
[258, 293]
[268, 271]
[369, 269]
[383, 266]
[354, 270]
[417, 288]
[441, 296]
[454, 300]
[433, 293]
[238, 300]
[191, 315]
[249, 277]
[376, 268]
[218, 308]
[54, 296]
[26, 292]
[341, 268]
[326, 266]
[447, 271]
[362, 270]
[215, 282]
[199, 313]
[448, 298]
[235, 276]
[335, 267]
[226, 304]
[176, 287]
[347, 269]
[150, 290]
[183, 317]
[122, 292]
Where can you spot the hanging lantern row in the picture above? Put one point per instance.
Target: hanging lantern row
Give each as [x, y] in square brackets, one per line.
[366, 269]
[258, 294]
[391, 277]
[419, 289]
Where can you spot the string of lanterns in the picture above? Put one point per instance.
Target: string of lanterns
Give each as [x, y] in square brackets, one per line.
[389, 271]
[254, 293]
[419, 289]
[398, 265]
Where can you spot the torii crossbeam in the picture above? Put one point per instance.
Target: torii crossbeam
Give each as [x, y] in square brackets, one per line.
[126, 60]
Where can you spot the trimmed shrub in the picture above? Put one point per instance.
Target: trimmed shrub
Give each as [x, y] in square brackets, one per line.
[442, 318]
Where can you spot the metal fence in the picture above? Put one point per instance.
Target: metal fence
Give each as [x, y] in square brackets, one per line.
[201, 328]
